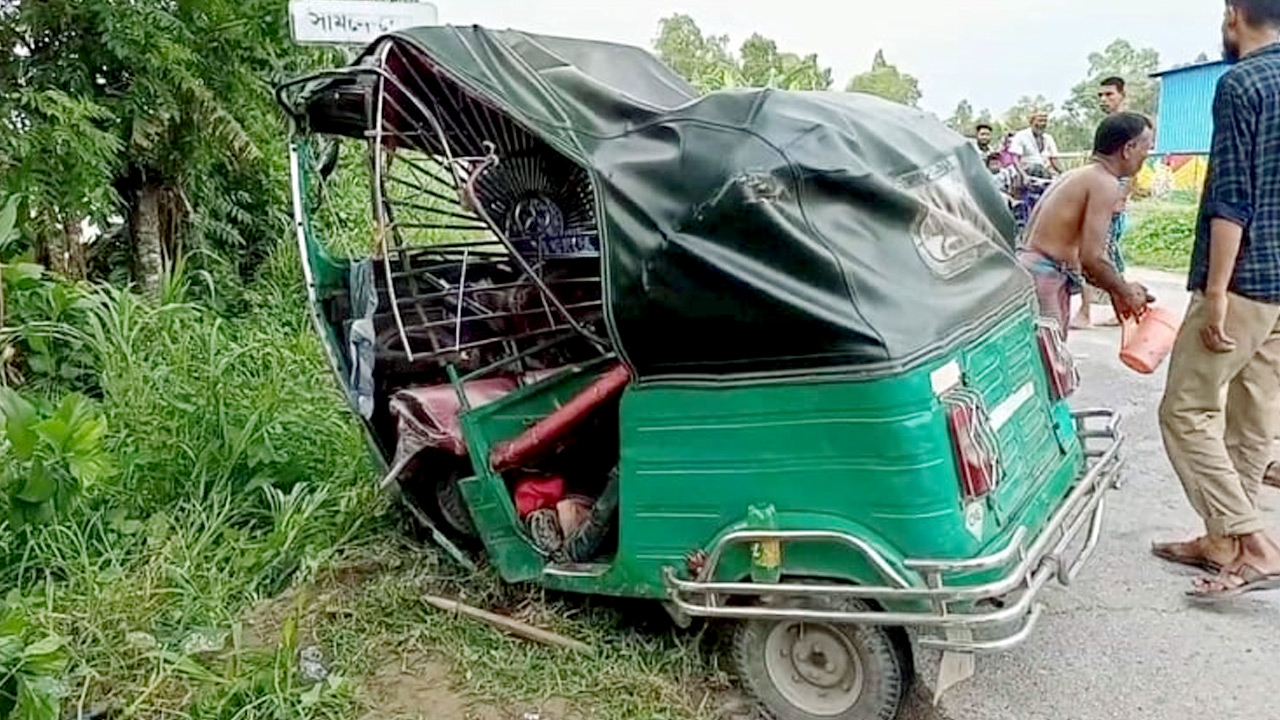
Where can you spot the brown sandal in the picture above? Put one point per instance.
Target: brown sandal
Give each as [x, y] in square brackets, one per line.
[1250, 578]
[1185, 553]
[1271, 477]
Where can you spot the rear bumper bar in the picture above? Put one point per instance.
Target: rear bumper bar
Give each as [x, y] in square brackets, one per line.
[996, 615]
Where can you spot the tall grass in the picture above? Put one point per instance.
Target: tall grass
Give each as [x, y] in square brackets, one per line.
[240, 472]
[245, 491]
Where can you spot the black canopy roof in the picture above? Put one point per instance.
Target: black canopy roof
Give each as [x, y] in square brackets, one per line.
[746, 231]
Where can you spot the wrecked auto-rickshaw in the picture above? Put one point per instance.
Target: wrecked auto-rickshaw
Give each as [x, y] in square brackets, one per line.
[763, 357]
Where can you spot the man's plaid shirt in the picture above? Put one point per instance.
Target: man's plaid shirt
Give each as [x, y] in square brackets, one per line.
[1244, 176]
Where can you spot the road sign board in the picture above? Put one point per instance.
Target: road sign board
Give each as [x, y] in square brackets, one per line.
[354, 22]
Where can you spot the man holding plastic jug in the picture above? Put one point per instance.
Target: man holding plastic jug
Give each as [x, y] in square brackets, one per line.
[1221, 407]
[1067, 237]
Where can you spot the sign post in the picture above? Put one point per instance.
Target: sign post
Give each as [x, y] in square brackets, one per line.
[354, 22]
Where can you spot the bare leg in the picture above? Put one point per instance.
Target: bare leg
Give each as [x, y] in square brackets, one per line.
[1084, 318]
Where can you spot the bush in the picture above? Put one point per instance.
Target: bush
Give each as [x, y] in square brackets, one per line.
[1161, 235]
[48, 456]
[30, 669]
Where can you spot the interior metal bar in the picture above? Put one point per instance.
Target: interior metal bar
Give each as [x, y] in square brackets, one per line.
[406, 265]
[423, 190]
[500, 287]
[504, 315]
[410, 64]
[527, 335]
[436, 226]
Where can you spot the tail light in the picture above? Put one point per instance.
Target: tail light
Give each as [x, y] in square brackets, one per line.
[1064, 378]
[974, 442]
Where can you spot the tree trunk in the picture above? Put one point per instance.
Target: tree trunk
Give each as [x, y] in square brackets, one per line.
[49, 250]
[148, 240]
[68, 256]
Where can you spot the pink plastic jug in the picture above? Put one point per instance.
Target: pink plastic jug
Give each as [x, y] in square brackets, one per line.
[1146, 343]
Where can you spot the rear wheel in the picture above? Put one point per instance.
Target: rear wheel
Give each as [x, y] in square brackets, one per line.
[452, 508]
[800, 670]
[431, 484]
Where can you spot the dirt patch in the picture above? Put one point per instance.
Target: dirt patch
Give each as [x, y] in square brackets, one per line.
[419, 689]
[399, 684]
[262, 623]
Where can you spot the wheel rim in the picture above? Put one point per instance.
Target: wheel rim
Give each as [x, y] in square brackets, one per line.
[814, 666]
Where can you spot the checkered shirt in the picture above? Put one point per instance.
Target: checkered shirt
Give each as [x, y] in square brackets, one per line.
[1243, 185]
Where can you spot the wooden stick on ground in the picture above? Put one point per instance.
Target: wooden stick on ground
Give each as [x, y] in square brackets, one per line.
[507, 624]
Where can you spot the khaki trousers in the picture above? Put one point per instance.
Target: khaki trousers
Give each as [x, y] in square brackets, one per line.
[1221, 411]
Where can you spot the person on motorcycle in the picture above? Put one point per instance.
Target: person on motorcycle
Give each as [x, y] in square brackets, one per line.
[1036, 149]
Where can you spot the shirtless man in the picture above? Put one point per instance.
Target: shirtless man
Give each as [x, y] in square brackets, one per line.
[1067, 237]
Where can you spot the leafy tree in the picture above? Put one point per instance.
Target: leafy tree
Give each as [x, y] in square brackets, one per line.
[962, 120]
[761, 65]
[57, 151]
[707, 63]
[63, 163]
[700, 59]
[887, 81]
[1121, 59]
[1018, 116]
[174, 101]
[1071, 134]
[965, 121]
[1081, 111]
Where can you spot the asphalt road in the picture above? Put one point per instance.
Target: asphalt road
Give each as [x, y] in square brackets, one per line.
[1123, 642]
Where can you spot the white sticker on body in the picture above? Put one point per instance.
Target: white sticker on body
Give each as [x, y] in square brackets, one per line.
[1010, 406]
[945, 378]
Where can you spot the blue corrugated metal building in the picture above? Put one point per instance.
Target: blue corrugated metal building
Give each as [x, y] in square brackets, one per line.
[1184, 123]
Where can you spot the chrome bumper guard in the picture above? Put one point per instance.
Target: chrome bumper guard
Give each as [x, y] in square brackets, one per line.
[997, 615]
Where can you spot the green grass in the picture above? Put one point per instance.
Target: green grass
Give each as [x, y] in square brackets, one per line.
[243, 524]
[366, 611]
[1160, 234]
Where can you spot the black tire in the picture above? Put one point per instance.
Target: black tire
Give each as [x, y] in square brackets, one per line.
[860, 673]
[453, 508]
[431, 485]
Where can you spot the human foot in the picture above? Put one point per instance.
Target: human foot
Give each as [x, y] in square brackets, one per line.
[1206, 553]
[1256, 567]
[1234, 583]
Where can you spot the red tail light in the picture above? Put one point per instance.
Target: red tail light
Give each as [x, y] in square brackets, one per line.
[1064, 378]
[974, 443]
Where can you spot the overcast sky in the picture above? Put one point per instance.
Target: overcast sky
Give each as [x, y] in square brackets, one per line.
[989, 51]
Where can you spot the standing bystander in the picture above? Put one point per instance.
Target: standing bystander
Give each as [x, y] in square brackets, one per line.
[1221, 406]
[1112, 99]
[982, 136]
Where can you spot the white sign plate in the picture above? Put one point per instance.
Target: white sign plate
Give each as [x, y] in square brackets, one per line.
[355, 22]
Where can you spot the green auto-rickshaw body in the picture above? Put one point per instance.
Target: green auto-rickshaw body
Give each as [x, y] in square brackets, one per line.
[836, 380]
